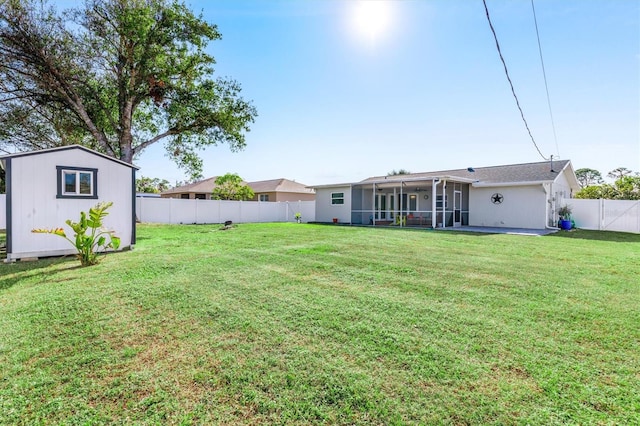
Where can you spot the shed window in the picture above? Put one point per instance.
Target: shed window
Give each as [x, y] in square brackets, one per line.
[74, 182]
[337, 198]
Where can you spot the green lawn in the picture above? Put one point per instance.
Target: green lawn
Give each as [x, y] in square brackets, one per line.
[301, 324]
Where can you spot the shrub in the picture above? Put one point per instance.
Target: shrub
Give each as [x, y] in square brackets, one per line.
[88, 244]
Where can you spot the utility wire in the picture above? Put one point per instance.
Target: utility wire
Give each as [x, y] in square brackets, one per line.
[544, 74]
[510, 83]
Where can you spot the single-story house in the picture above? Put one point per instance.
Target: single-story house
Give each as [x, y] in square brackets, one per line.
[264, 190]
[47, 187]
[281, 190]
[510, 196]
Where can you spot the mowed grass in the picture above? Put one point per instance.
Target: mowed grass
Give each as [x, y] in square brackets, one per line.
[311, 324]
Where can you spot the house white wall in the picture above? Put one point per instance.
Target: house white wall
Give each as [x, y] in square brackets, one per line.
[325, 211]
[34, 203]
[522, 207]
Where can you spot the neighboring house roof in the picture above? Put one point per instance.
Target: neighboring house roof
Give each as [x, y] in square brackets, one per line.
[64, 148]
[513, 173]
[279, 185]
[202, 186]
[273, 185]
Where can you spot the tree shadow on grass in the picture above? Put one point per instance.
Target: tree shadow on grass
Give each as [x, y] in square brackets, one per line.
[610, 236]
[13, 273]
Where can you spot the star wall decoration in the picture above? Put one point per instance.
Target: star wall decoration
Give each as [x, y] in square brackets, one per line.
[497, 198]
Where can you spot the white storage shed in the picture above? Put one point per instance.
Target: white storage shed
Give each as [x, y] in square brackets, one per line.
[45, 188]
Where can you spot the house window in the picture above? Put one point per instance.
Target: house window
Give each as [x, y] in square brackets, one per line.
[439, 201]
[184, 196]
[337, 198]
[201, 196]
[75, 182]
[264, 197]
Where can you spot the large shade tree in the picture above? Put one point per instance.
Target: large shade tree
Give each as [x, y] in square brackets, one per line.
[116, 76]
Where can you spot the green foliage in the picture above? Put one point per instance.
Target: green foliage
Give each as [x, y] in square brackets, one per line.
[151, 185]
[88, 245]
[2, 181]
[129, 74]
[398, 172]
[628, 188]
[619, 173]
[565, 212]
[231, 187]
[625, 188]
[587, 177]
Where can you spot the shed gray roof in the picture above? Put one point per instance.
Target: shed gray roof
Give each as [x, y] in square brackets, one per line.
[513, 173]
[64, 148]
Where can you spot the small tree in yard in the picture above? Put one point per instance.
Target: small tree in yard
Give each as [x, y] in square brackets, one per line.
[89, 244]
[231, 187]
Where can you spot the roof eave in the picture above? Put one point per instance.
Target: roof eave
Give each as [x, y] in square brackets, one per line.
[331, 185]
[501, 184]
[418, 179]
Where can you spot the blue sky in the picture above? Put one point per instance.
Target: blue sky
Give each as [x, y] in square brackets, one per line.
[427, 91]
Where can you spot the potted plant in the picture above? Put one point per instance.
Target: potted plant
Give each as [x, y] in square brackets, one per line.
[565, 217]
[298, 217]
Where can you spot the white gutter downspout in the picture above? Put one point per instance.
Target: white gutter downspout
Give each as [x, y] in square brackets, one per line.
[553, 206]
[434, 188]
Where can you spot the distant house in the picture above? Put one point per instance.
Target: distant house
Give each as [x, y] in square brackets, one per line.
[265, 190]
[281, 190]
[512, 196]
[200, 190]
[45, 188]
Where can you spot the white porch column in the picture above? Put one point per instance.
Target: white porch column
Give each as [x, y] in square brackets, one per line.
[373, 205]
[444, 203]
[392, 208]
[400, 202]
[434, 188]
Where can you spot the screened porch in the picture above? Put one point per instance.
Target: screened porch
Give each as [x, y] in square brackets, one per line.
[427, 203]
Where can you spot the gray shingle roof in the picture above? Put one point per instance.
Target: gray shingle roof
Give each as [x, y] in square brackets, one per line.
[272, 185]
[279, 185]
[202, 186]
[513, 173]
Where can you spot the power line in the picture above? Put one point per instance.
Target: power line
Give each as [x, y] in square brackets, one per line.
[510, 83]
[544, 74]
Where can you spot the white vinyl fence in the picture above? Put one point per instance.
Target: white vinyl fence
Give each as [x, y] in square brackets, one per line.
[176, 211]
[3, 211]
[606, 215]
